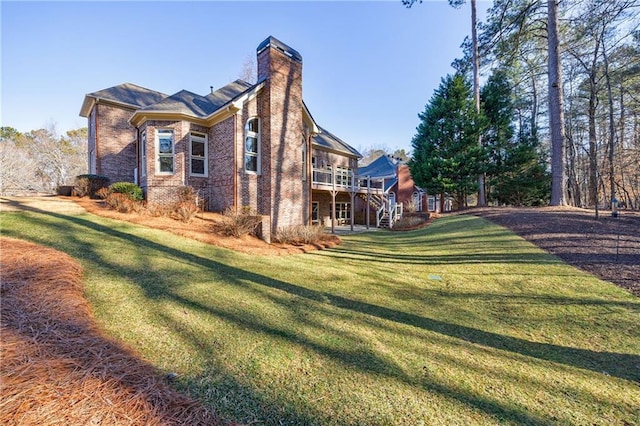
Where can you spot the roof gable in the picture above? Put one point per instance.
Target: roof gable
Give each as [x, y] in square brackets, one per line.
[127, 94]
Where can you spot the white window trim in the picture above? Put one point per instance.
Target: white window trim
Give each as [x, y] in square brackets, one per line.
[305, 162]
[143, 153]
[258, 154]
[173, 152]
[204, 140]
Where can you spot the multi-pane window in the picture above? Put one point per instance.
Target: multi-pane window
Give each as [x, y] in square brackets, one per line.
[143, 153]
[198, 154]
[304, 159]
[343, 176]
[431, 201]
[252, 145]
[343, 211]
[164, 146]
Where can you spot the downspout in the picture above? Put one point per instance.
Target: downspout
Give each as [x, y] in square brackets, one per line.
[98, 168]
[309, 173]
[368, 200]
[235, 162]
[353, 194]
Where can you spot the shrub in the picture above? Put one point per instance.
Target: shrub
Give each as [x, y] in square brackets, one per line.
[133, 191]
[65, 190]
[186, 205]
[184, 211]
[123, 203]
[238, 223]
[88, 185]
[118, 198]
[411, 221]
[301, 234]
[103, 193]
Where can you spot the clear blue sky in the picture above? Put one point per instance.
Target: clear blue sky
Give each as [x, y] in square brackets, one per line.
[369, 67]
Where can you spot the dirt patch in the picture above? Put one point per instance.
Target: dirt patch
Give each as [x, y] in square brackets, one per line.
[58, 368]
[608, 247]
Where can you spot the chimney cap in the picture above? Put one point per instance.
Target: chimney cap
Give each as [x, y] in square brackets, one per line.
[277, 44]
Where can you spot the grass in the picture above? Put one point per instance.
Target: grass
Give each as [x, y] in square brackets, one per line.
[458, 323]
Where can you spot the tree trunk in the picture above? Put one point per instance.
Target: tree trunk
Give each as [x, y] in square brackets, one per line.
[612, 180]
[556, 113]
[482, 198]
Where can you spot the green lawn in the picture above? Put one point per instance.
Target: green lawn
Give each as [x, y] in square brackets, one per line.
[458, 323]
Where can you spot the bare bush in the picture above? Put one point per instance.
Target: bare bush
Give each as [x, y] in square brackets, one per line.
[411, 221]
[301, 234]
[238, 223]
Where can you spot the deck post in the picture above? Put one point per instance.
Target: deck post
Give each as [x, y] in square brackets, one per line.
[368, 200]
[333, 198]
[353, 194]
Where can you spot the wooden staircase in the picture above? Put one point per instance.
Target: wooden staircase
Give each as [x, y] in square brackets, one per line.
[379, 202]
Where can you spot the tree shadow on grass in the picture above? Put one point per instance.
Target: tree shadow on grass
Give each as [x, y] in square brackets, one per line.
[616, 364]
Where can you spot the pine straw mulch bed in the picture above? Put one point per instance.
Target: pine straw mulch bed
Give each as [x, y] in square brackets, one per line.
[58, 368]
[608, 248]
[201, 229]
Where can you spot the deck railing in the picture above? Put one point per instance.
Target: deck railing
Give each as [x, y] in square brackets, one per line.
[344, 180]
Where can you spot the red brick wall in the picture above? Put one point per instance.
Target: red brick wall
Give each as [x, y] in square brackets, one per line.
[404, 191]
[116, 153]
[221, 165]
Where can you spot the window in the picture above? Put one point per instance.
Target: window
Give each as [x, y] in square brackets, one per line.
[304, 159]
[164, 146]
[315, 212]
[343, 211]
[431, 203]
[343, 176]
[252, 146]
[143, 153]
[198, 154]
[417, 201]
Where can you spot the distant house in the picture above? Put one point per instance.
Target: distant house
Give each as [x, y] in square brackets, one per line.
[398, 188]
[242, 145]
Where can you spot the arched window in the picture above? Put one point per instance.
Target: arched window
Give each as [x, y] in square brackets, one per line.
[305, 171]
[252, 145]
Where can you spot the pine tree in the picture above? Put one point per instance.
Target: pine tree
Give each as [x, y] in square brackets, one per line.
[446, 155]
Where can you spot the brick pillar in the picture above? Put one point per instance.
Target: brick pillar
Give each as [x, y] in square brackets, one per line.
[282, 193]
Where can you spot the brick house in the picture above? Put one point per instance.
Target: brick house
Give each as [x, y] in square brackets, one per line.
[398, 189]
[243, 145]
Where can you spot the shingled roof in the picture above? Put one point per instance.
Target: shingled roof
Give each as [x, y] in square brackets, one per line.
[326, 139]
[126, 94]
[144, 100]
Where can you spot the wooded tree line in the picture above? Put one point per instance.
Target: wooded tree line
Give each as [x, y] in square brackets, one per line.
[598, 85]
[40, 160]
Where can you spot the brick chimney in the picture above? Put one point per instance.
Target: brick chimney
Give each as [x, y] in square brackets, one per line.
[283, 194]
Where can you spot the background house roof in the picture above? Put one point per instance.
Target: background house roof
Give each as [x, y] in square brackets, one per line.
[328, 140]
[383, 166]
[126, 93]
